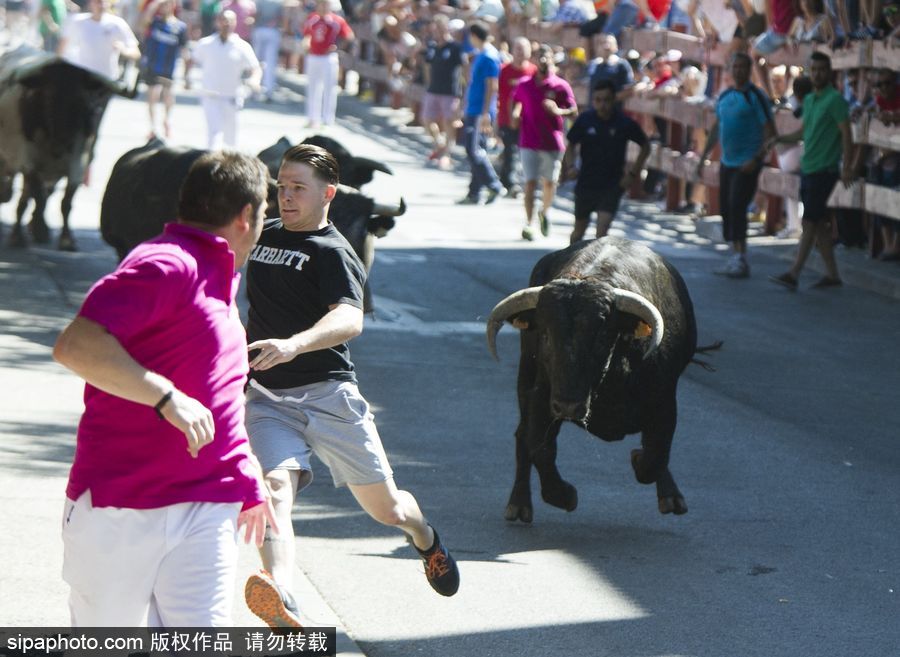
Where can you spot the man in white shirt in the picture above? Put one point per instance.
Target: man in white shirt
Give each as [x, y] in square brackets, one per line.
[96, 39]
[226, 59]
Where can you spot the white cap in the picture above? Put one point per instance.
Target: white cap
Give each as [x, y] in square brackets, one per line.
[456, 24]
[673, 55]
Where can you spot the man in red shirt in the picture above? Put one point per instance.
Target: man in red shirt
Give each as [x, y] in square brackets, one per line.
[321, 33]
[510, 74]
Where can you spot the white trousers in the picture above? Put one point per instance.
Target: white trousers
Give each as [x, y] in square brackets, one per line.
[789, 160]
[221, 121]
[266, 42]
[321, 87]
[173, 566]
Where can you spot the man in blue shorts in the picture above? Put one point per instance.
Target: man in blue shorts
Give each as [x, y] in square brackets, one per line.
[166, 40]
[600, 136]
[826, 135]
[305, 287]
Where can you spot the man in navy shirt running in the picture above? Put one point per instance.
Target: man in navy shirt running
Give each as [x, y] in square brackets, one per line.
[601, 135]
[165, 40]
[743, 125]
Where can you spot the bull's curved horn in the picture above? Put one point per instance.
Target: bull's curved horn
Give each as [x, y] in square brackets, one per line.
[372, 164]
[632, 302]
[390, 210]
[513, 304]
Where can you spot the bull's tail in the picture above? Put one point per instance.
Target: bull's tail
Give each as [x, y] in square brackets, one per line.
[715, 346]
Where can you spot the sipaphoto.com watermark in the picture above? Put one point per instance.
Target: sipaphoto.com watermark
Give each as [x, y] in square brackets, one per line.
[143, 641]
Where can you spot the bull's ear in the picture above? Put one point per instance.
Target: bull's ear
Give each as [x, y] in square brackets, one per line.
[524, 321]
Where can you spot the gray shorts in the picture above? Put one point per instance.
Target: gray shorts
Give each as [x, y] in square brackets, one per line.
[540, 164]
[330, 419]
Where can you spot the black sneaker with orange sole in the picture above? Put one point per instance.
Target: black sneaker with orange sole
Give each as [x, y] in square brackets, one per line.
[270, 601]
[440, 567]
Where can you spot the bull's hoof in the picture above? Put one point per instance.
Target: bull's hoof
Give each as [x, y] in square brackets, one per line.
[39, 232]
[675, 505]
[640, 472]
[519, 512]
[564, 496]
[67, 243]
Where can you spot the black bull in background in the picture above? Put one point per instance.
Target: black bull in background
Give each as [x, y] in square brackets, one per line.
[50, 112]
[607, 328]
[142, 195]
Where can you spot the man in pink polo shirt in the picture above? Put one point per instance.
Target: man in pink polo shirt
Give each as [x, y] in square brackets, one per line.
[163, 476]
[539, 105]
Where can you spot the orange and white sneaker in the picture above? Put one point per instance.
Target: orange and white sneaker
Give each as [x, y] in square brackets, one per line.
[271, 602]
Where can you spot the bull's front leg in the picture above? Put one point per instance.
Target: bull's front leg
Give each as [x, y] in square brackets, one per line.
[540, 437]
[651, 462]
[519, 505]
[66, 240]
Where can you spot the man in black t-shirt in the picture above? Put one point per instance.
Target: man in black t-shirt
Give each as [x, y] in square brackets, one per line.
[305, 287]
[600, 136]
[440, 104]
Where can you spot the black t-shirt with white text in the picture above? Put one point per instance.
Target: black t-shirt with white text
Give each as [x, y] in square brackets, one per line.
[292, 279]
[604, 145]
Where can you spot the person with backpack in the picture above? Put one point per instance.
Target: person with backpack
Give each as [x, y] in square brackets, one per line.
[743, 125]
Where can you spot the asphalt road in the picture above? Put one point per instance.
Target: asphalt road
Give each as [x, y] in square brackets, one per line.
[786, 454]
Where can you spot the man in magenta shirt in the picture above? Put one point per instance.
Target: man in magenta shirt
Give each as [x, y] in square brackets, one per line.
[163, 476]
[539, 105]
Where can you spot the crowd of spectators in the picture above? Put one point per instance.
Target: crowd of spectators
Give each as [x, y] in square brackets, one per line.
[428, 43]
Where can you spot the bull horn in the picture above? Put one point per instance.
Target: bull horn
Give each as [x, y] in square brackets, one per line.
[390, 210]
[513, 304]
[372, 164]
[631, 302]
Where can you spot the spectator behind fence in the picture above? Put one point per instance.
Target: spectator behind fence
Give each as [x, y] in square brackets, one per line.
[323, 32]
[609, 66]
[570, 12]
[540, 103]
[812, 25]
[511, 73]
[743, 126]
[245, 14]
[599, 138]
[166, 41]
[398, 48]
[623, 15]
[789, 91]
[886, 171]
[444, 61]
[478, 116]
[826, 135]
[780, 16]
[891, 13]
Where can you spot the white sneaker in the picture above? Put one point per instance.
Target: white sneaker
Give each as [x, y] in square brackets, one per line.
[736, 267]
